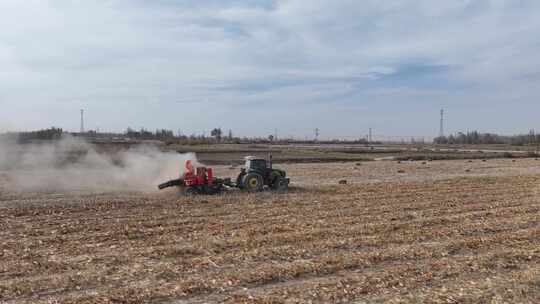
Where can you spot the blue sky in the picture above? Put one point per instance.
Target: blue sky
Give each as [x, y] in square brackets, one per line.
[253, 66]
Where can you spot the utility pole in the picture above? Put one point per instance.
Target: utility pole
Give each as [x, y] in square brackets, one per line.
[535, 140]
[82, 121]
[441, 129]
[370, 138]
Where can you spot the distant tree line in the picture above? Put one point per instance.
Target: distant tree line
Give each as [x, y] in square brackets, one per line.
[217, 135]
[475, 138]
[45, 134]
[159, 134]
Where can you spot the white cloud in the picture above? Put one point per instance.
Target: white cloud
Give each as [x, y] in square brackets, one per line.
[208, 58]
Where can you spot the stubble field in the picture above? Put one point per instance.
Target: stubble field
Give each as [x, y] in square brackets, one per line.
[433, 232]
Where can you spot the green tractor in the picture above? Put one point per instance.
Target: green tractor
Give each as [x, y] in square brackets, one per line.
[258, 173]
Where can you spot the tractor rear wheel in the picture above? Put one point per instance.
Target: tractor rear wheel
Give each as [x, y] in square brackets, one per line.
[280, 184]
[253, 182]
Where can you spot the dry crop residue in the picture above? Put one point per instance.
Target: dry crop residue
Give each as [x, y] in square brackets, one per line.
[470, 240]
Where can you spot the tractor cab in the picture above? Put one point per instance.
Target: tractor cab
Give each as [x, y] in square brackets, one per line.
[256, 164]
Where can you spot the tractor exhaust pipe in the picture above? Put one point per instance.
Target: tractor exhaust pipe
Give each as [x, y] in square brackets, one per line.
[171, 183]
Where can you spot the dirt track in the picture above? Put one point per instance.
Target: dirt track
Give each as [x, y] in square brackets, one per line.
[469, 239]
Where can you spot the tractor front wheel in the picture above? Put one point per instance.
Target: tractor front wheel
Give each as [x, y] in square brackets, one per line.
[253, 182]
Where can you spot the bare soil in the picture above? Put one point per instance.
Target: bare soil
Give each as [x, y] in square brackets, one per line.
[438, 232]
[226, 154]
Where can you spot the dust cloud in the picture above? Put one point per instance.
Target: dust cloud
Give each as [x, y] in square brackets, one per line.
[71, 164]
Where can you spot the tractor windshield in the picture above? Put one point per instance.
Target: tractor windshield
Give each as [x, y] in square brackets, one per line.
[256, 164]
